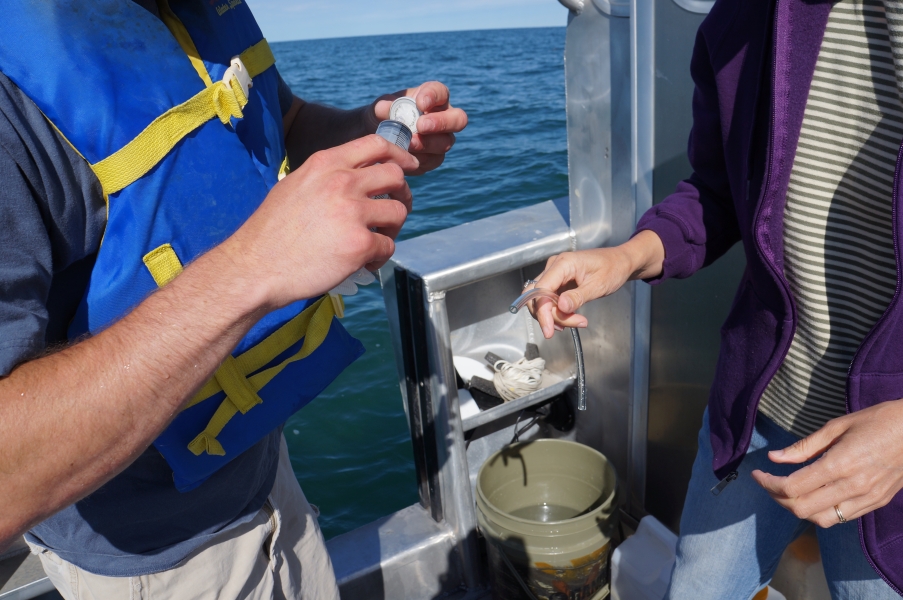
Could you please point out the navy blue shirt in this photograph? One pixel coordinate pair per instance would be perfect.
(52, 217)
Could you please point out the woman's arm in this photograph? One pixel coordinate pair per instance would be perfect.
(591, 274)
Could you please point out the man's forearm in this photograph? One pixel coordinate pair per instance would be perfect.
(310, 128)
(72, 420)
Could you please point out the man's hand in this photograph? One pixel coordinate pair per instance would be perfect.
(589, 274)
(321, 224)
(310, 128)
(72, 420)
(437, 127)
(859, 467)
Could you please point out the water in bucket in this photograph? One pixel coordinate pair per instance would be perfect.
(547, 509)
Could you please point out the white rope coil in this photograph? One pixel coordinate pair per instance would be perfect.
(516, 380)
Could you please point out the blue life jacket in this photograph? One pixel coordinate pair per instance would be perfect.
(185, 154)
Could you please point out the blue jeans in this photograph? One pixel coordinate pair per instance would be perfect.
(730, 544)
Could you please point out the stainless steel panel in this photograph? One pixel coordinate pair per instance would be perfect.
(36, 588)
(460, 507)
(480, 322)
(588, 86)
(615, 8)
(624, 148)
(573, 5)
(642, 68)
(390, 297)
(405, 556)
(686, 315)
(21, 574)
(473, 251)
(603, 212)
(515, 406)
(427, 278)
(605, 425)
(701, 7)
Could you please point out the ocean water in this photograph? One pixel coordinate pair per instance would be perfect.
(350, 448)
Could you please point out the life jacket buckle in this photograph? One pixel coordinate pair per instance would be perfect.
(238, 70)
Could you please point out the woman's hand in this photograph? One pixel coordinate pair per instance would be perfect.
(582, 276)
(859, 469)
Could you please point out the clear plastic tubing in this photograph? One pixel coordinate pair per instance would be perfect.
(534, 293)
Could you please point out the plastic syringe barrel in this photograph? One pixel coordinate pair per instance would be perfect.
(396, 133)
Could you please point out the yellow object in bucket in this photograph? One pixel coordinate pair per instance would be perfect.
(548, 509)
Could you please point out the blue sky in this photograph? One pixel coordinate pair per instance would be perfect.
(308, 19)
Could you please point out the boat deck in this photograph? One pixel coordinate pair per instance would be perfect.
(22, 577)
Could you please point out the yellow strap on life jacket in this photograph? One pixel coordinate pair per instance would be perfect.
(312, 325)
(174, 24)
(135, 159)
(237, 387)
(284, 169)
(258, 58)
(319, 316)
(163, 264)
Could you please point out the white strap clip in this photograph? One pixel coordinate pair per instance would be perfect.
(238, 70)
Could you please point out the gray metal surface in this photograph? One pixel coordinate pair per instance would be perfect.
(651, 360)
(686, 314)
(614, 8)
(450, 295)
(573, 5)
(515, 406)
(479, 322)
(473, 251)
(701, 7)
(597, 140)
(453, 288)
(642, 127)
(460, 508)
(32, 589)
(405, 556)
(648, 368)
(21, 574)
(603, 212)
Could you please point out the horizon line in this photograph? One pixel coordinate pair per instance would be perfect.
(351, 37)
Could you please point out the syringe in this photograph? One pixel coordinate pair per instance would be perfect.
(398, 129)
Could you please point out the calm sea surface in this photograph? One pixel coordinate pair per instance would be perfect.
(350, 448)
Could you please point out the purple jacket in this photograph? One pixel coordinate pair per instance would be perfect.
(752, 65)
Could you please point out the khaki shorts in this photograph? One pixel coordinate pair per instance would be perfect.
(279, 554)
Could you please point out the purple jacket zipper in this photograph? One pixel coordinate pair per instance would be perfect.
(766, 184)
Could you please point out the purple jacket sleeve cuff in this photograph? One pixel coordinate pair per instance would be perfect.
(680, 260)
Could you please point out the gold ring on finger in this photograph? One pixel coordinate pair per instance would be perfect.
(839, 514)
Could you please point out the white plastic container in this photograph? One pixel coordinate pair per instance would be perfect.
(641, 565)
